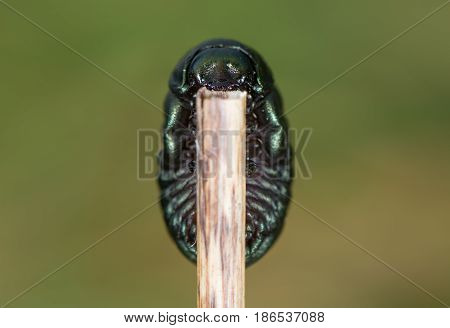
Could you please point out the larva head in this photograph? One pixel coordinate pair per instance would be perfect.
(220, 65)
(222, 69)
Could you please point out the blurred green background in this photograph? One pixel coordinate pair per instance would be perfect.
(379, 153)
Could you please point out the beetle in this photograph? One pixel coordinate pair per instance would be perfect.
(226, 65)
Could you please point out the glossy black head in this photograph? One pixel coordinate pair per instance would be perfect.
(222, 69)
(221, 65)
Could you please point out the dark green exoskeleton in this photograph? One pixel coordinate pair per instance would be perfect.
(225, 65)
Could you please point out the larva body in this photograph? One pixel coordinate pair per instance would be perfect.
(225, 65)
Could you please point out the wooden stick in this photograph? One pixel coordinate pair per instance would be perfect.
(220, 198)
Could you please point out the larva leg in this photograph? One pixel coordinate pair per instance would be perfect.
(272, 125)
(177, 117)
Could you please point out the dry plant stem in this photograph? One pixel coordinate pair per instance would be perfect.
(221, 198)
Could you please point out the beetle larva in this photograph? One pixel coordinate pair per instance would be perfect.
(225, 65)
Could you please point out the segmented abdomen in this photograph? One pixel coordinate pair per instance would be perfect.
(267, 190)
